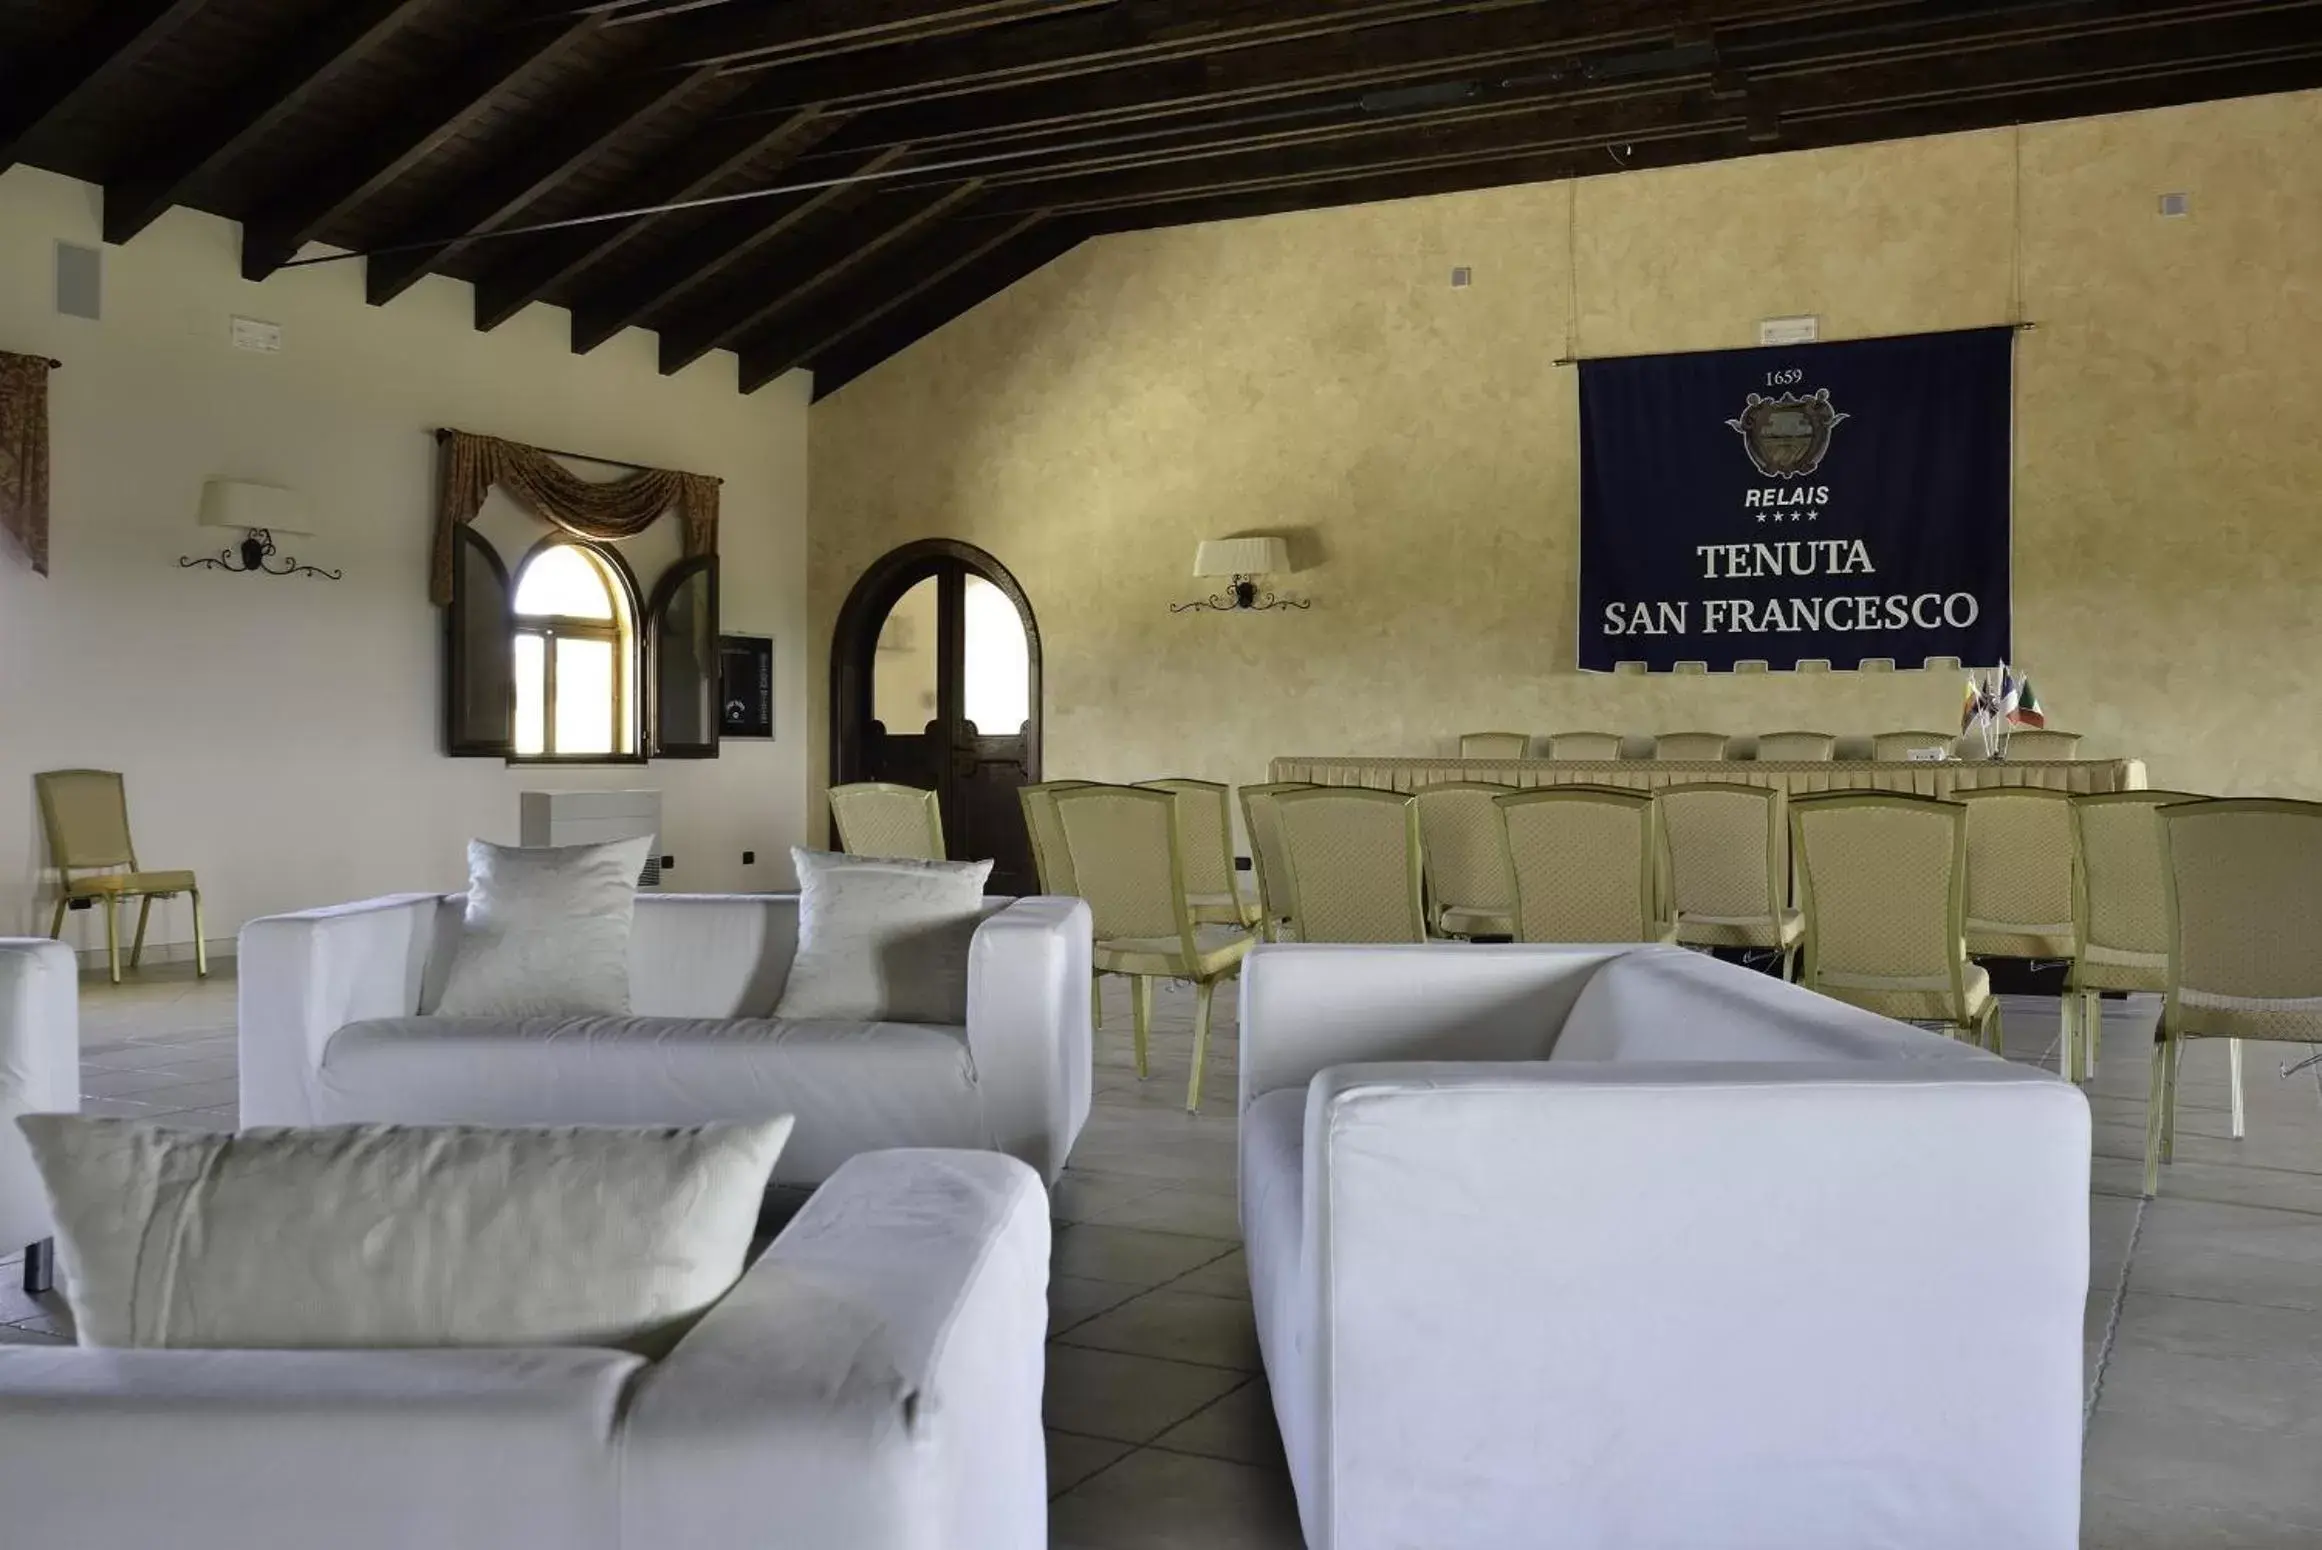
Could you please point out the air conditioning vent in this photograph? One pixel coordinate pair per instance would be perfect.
(592, 818)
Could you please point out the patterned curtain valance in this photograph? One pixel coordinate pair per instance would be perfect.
(24, 454)
(587, 508)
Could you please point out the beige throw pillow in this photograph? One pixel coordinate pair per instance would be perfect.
(882, 940)
(546, 932)
(385, 1236)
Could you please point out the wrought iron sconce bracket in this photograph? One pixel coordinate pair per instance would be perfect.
(256, 552)
(1242, 596)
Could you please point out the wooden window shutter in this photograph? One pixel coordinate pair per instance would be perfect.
(479, 654)
(681, 655)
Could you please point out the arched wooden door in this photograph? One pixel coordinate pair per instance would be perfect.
(935, 682)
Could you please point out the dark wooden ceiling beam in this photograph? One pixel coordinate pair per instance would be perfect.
(1130, 32)
(883, 288)
(726, 240)
(273, 237)
(242, 113)
(691, 171)
(580, 135)
(118, 34)
(966, 288)
(814, 29)
(1479, 45)
(889, 223)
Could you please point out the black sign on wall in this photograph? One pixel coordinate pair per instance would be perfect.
(1797, 502)
(746, 686)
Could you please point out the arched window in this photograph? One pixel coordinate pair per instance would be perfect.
(575, 655)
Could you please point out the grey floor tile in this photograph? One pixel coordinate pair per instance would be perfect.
(1126, 1398)
(1073, 1458)
(2288, 1337)
(1240, 1426)
(2117, 1523)
(119, 1108)
(11, 1334)
(1076, 1299)
(1180, 1208)
(2230, 1253)
(195, 1095)
(107, 1082)
(1181, 1326)
(2190, 1460)
(1226, 1277)
(1129, 1255)
(1156, 1500)
(1085, 1195)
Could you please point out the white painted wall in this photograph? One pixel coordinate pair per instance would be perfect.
(281, 736)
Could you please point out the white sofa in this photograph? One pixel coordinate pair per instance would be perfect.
(332, 1030)
(40, 1073)
(872, 1383)
(1597, 1247)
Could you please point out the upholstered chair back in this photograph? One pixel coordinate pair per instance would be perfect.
(1353, 860)
(1049, 852)
(1901, 745)
(1882, 878)
(2245, 918)
(1586, 862)
(1263, 823)
(1465, 859)
(878, 818)
(1796, 747)
(1205, 824)
(1127, 856)
(87, 818)
(1701, 746)
(2120, 894)
(1585, 745)
(2019, 872)
(1494, 745)
(1729, 850)
(2034, 743)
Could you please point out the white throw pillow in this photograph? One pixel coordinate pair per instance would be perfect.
(392, 1236)
(546, 932)
(882, 940)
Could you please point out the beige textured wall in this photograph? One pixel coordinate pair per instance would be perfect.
(1315, 374)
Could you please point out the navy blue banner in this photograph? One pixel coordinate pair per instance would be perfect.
(1834, 501)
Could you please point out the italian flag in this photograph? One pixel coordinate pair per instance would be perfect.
(2026, 712)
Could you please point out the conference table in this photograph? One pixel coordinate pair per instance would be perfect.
(1797, 777)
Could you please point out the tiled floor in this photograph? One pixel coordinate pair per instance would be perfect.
(2204, 1319)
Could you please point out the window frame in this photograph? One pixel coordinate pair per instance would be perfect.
(628, 653)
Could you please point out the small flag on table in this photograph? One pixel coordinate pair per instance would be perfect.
(2025, 711)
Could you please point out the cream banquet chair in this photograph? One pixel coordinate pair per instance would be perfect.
(1797, 747)
(2032, 744)
(1352, 856)
(2019, 890)
(86, 815)
(1263, 823)
(2120, 905)
(1587, 863)
(1494, 745)
(1729, 868)
(1901, 745)
(1704, 747)
(1469, 891)
(1205, 818)
(879, 818)
(1128, 854)
(1585, 745)
(2245, 939)
(1882, 878)
(1053, 859)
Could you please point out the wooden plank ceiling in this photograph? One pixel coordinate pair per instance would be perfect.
(896, 161)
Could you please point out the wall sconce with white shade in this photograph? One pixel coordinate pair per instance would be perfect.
(261, 511)
(1245, 560)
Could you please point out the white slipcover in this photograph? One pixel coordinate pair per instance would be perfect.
(332, 1005)
(872, 1383)
(40, 1070)
(1598, 1247)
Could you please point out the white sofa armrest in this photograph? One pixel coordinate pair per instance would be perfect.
(873, 1383)
(40, 1070)
(1307, 1007)
(1677, 1304)
(356, 1450)
(305, 976)
(1028, 1027)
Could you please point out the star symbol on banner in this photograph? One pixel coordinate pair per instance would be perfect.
(1761, 516)
(1814, 516)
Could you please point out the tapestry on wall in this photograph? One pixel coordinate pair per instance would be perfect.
(24, 455)
(1834, 502)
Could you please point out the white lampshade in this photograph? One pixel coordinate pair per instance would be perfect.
(1267, 556)
(239, 503)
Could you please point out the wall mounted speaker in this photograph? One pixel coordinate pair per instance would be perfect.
(80, 281)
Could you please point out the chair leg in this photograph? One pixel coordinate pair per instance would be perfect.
(56, 926)
(1096, 1002)
(201, 938)
(2091, 1030)
(113, 936)
(137, 943)
(1141, 1010)
(39, 1267)
(2169, 1100)
(2068, 1056)
(2233, 1059)
(2153, 1103)
(1201, 999)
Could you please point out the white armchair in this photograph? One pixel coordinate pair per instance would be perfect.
(333, 1029)
(40, 1073)
(1604, 1247)
(872, 1383)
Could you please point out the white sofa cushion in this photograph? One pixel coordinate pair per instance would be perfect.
(373, 1235)
(546, 930)
(852, 1086)
(883, 940)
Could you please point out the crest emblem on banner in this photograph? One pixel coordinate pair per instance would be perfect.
(1787, 436)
